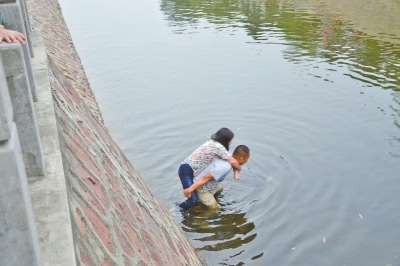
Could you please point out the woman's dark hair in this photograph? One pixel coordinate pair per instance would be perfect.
(223, 136)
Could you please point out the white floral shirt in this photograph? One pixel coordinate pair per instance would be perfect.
(205, 154)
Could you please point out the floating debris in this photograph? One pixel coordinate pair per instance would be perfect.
(283, 159)
(361, 216)
(323, 240)
(294, 248)
(270, 179)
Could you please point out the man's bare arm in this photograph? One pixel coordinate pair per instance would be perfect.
(235, 164)
(236, 175)
(201, 181)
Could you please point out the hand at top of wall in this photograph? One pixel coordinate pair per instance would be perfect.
(11, 35)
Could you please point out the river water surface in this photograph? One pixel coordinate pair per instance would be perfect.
(313, 92)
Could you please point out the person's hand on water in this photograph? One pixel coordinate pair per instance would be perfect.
(236, 175)
(11, 35)
(187, 193)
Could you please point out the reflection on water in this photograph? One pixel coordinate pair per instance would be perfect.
(215, 231)
(316, 38)
(321, 44)
(218, 230)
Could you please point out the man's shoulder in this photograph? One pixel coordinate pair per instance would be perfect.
(222, 163)
(221, 167)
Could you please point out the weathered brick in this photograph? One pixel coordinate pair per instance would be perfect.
(135, 210)
(78, 145)
(179, 262)
(163, 211)
(127, 187)
(94, 202)
(139, 183)
(156, 258)
(74, 96)
(152, 224)
(94, 184)
(114, 184)
(86, 144)
(101, 229)
(127, 163)
(163, 249)
(127, 262)
(85, 131)
(60, 92)
(134, 178)
(80, 224)
(182, 250)
(146, 238)
(122, 241)
(106, 263)
(108, 165)
(169, 240)
(121, 206)
(106, 137)
(60, 114)
(133, 237)
(85, 259)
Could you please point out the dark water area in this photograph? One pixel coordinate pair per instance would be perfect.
(315, 95)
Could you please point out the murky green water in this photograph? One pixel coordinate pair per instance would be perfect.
(313, 92)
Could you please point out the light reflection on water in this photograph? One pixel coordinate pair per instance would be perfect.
(321, 38)
(217, 231)
(315, 98)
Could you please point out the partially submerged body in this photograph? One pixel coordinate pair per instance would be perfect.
(203, 156)
(207, 183)
(213, 175)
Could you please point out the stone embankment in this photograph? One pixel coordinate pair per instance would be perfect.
(115, 218)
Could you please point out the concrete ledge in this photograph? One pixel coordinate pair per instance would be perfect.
(15, 69)
(16, 18)
(18, 236)
(49, 193)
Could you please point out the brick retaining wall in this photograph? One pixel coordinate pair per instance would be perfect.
(116, 220)
(47, 16)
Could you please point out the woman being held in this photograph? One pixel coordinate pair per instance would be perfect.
(217, 147)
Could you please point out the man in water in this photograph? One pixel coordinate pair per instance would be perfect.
(207, 182)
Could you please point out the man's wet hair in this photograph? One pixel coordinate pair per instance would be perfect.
(242, 151)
